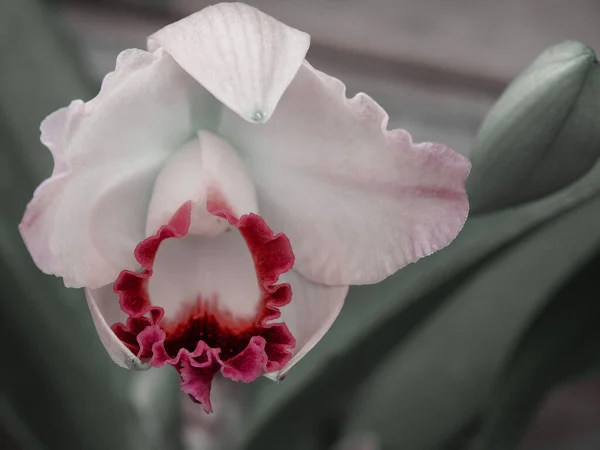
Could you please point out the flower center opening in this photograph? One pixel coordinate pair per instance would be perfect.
(205, 305)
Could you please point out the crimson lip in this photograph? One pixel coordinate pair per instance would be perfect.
(203, 339)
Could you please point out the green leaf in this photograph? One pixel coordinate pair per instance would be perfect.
(543, 132)
(438, 378)
(561, 345)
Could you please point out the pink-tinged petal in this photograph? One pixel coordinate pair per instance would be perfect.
(309, 316)
(358, 202)
(248, 365)
(197, 308)
(105, 310)
(207, 173)
(85, 220)
(197, 377)
(205, 168)
(196, 266)
(244, 57)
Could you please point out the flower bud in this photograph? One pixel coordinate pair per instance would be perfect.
(542, 134)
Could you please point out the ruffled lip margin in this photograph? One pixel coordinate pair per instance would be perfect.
(205, 341)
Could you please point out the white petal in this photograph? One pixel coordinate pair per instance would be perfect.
(206, 165)
(104, 306)
(242, 56)
(208, 263)
(85, 220)
(310, 314)
(356, 201)
(218, 270)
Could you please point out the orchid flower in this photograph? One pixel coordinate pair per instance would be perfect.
(219, 195)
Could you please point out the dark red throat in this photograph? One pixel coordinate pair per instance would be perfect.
(203, 339)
